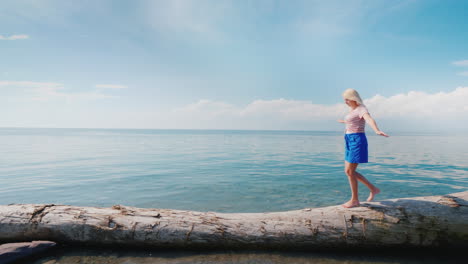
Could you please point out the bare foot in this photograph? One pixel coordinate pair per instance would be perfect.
(351, 204)
(372, 194)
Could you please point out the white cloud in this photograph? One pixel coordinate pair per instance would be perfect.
(110, 86)
(292, 109)
(14, 37)
(44, 91)
(420, 104)
(259, 114)
(34, 90)
(414, 109)
(29, 84)
(414, 104)
(206, 106)
(460, 63)
(280, 108)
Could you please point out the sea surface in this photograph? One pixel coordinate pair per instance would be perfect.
(219, 170)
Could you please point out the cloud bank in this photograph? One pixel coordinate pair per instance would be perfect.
(413, 110)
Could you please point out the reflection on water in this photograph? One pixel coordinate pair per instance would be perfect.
(89, 256)
(225, 171)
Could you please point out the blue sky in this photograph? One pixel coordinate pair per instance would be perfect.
(232, 64)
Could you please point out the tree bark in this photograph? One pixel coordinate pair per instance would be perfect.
(433, 221)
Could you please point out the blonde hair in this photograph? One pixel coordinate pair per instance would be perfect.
(352, 95)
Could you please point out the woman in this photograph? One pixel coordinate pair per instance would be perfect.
(356, 145)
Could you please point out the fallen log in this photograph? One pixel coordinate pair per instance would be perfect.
(433, 221)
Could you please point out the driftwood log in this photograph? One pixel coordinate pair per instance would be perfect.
(433, 221)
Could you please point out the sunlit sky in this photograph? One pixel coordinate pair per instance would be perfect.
(264, 64)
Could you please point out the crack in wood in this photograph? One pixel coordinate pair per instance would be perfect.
(345, 234)
(39, 213)
(221, 229)
(187, 237)
(364, 227)
(313, 229)
(134, 230)
(156, 225)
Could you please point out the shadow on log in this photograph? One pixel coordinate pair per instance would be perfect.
(422, 222)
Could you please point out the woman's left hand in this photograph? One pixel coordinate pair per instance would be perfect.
(381, 133)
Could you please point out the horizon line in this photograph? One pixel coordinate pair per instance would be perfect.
(223, 129)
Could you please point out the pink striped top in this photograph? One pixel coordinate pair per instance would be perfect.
(354, 121)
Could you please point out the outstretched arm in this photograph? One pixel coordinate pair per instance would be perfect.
(341, 121)
(373, 124)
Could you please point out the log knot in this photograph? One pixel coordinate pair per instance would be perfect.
(112, 224)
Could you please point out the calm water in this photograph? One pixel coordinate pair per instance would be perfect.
(225, 171)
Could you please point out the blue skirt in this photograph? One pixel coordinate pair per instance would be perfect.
(356, 148)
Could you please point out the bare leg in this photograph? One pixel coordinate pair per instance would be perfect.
(350, 169)
(373, 190)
